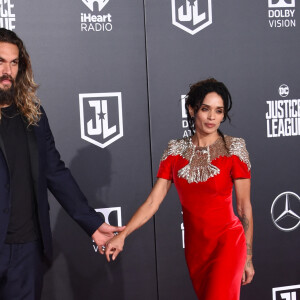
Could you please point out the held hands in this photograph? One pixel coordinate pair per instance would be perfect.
(103, 234)
(248, 271)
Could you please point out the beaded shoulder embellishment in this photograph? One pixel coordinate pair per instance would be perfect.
(200, 168)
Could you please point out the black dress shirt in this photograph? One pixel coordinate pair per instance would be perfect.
(22, 226)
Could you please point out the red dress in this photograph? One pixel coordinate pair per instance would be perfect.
(215, 244)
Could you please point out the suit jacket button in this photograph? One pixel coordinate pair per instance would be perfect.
(5, 210)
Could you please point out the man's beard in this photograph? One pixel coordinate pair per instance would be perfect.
(7, 96)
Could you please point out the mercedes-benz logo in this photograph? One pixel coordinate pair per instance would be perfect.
(285, 211)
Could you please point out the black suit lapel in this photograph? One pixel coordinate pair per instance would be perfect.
(2, 147)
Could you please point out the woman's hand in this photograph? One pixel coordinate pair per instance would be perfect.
(104, 233)
(248, 271)
(141, 216)
(114, 247)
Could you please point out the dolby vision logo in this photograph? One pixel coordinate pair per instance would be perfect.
(281, 3)
(283, 90)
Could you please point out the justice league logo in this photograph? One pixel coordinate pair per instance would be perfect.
(291, 292)
(283, 115)
(101, 118)
(7, 17)
(191, 15)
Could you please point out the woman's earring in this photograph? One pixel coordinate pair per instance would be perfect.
(193, 122)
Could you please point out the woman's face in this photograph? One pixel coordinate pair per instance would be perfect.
(210, 114)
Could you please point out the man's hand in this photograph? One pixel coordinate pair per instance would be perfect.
(103, 234)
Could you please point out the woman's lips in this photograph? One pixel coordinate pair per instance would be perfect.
(209, 125)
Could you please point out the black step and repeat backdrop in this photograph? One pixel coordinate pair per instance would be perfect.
(112, 75)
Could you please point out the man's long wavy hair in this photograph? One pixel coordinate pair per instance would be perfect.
(25, 98)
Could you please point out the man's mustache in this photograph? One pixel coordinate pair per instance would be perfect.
(6, 77)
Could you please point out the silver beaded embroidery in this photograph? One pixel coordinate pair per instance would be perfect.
(200, 168)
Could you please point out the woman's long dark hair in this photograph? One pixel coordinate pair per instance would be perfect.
(196, 95)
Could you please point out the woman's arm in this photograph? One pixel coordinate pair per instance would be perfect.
(244, 210)
(141, 216)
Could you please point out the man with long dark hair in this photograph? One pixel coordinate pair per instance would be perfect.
(29, 165)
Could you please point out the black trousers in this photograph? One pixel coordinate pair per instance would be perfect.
(22, 268)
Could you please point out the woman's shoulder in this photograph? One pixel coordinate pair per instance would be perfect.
(178, 142)
(237, 147)
(176, 147)
(231, 140)
(234, 144)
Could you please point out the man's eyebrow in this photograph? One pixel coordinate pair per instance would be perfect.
(15, 59)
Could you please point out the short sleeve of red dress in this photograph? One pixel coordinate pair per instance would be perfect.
(165, 169)
(240, 162)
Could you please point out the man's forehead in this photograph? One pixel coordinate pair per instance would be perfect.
(9, 49)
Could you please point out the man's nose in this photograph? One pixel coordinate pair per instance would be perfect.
(6, 69)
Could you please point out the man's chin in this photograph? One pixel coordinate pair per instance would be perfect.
(6, 95)
(5, 87)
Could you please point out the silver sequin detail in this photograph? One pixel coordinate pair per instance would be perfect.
(200, 168)
(238, 148)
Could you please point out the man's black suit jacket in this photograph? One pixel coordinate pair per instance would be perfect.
(48, 171)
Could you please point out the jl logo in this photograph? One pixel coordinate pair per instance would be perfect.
(291, 292)
(101, 119)
(191, 15)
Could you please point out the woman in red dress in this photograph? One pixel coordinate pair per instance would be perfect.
(204, 168)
